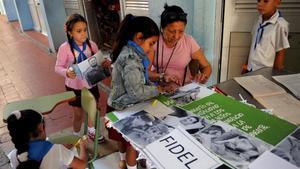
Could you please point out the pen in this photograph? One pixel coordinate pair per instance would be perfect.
(218, 90)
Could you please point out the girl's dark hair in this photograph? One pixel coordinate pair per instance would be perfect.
(172, 14)
(71, 21)
(22, 129)
(130, 26)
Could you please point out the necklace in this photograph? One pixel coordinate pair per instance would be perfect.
(162, 58)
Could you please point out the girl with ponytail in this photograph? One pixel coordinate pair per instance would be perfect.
(130, 82)
(77, 49)
(27, 131)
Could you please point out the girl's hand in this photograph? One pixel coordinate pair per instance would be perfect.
(171, 78)
(71, 73)
(106, 63)
(83, 143)
(201, 78)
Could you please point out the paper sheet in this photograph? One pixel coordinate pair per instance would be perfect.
(158, 109)
(283, 105)
(292, 82)
(258, 85)
(269, 160)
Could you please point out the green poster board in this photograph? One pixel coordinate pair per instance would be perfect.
(255, 122)
(165, 100)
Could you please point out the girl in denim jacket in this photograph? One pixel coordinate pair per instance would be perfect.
(130, 81)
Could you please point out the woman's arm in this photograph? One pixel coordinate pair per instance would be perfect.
(205, 67)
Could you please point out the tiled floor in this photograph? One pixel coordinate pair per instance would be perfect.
(27, 71)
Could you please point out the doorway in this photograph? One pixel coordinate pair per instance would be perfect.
(239, 18)
(38, 21)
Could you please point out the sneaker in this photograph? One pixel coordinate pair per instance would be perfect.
(91, 135)
(142, 163)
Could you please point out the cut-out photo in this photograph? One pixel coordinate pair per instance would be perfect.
(142, 128)
(232, 145)
(289, 148)
(188, 121)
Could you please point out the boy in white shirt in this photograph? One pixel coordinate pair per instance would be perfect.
(269, 38)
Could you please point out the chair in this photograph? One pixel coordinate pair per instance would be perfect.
(46, 105)
(89, 105)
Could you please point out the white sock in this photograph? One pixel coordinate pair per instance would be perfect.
(131, 167)
(122, 155)
(92, 129)
(76, 133)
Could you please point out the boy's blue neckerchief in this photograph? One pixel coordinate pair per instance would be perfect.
(81, 56)
(260, 32)
(261, 29)
(38, 149)
(140, 51)
(280, 14)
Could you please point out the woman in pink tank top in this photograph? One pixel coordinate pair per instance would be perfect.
(174, 51)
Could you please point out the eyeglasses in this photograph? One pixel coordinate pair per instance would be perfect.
(175, 16)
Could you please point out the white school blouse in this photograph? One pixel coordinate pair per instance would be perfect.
(58, 157)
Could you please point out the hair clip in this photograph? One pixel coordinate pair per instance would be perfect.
(17, 113)
(23, 156)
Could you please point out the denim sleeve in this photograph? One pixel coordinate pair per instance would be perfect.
(134, 81)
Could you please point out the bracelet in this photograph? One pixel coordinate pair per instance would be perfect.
(161, 77)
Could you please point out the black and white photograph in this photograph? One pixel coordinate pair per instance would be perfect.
(91, 69)
(189, 93)
(231, 144)
(184, 97)
(289, 148)
(188, 121)
(142, 128)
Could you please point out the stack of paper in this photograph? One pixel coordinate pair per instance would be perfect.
(272, 96)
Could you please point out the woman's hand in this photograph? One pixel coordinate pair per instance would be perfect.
(201, 78)
(171, 78)
(71, 73)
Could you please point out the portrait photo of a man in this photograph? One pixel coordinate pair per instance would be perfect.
(236, 147)
(142, 128)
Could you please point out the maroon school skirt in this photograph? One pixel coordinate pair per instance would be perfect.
(114, 134)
